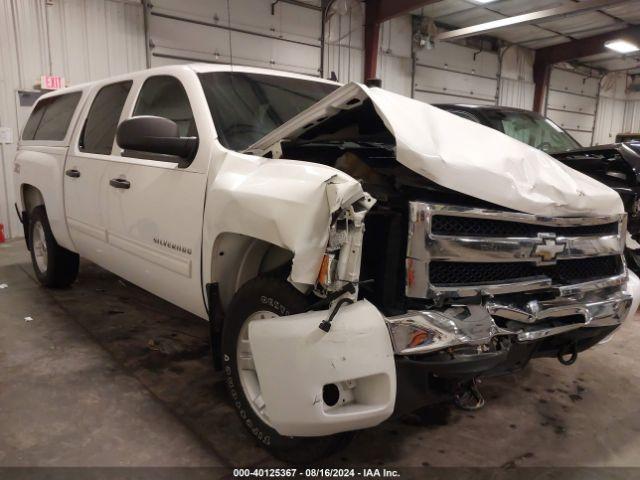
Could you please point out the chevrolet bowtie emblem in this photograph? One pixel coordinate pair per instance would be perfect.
(548, 250)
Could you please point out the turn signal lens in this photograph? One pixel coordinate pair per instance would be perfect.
(411, 334)
(418, 338)
(325, 276)
(411, 276)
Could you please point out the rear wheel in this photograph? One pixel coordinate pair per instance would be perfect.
(263, 298)
(54, 265)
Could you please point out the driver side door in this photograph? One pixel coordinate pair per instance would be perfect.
(154, 203)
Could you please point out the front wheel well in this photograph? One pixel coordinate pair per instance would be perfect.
(238, 258)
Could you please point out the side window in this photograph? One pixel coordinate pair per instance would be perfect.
(102, 121)
(51, 117)
(164, 96)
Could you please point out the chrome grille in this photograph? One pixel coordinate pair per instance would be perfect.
(565, 272)
(483, 227)
(460, 251)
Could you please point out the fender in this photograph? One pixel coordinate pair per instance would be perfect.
(43, 169)
(285, 203)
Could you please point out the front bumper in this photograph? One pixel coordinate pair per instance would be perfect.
(421, 332)
(380, 365)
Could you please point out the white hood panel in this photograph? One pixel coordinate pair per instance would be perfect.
(468, 157)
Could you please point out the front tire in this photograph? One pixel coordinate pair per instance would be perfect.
(54, 266)
(266, 297)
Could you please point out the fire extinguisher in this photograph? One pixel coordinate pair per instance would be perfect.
(1, 233)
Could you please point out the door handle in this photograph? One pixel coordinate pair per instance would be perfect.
(119, 183)
(73, 173)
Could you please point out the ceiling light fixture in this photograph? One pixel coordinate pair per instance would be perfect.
(621, 46)
(484, 1)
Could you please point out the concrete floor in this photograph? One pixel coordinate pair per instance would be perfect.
(106, 374)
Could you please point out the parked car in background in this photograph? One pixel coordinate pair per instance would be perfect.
(627, 137)
(616, 165)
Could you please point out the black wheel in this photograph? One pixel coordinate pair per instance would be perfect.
(54, 266)
(266, 297)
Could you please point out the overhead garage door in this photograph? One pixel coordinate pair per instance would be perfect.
(451, 73)
(571, 103)
(262, 33)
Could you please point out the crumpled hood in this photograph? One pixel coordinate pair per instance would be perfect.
(465, 156)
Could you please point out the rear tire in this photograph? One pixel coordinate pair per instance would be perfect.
(267, 297)
(54, 266)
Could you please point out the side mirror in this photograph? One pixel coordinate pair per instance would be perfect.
(151, 134)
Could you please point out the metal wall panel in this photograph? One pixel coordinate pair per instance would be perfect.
(81, 40)
(10, 80)
(94, 39)
(436, 81)
(573, 82)
(516, 93)
(395, 73)
(344, 45)
(461, 59)
(610, 120)
(631, 121)
(572, 121)
(344, 50)
(394, 59)
(243, 31)
(572, 101)
(435, 98)
(451, 73)
(611, 108)
(516, 77)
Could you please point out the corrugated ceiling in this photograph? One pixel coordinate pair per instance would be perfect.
(464, 13)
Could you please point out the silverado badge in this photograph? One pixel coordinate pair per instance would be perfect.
(173, 246)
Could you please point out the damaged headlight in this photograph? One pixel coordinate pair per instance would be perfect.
(413, 334)
(428, 331)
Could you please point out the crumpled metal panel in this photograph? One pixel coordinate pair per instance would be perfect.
(283, 202)
(468, 157)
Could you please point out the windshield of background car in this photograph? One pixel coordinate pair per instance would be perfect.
(247, 106)
(534, 130)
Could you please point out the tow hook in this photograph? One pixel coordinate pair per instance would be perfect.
(568, 349)
(470, 398)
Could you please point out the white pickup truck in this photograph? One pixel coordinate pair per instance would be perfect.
(357, 253)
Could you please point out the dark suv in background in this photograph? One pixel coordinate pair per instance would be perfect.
(616, 165)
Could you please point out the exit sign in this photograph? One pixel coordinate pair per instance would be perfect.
(51, 82)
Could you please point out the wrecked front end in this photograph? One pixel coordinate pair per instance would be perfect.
(498, 288)
(485, 291)
(447, 270)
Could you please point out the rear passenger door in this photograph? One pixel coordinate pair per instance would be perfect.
(90, 153)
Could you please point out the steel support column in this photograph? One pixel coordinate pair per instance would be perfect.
(583, 47)
(377, 12)
(371, 39)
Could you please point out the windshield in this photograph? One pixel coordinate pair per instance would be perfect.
(532, 129)
(247, 106)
